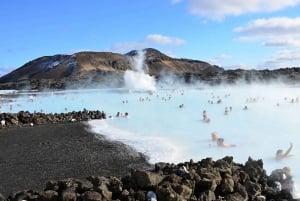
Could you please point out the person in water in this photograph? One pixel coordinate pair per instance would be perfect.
(226, 111)
(280, 154)
(214, 136)
(119, 114)
(204, 115)
(220, 143)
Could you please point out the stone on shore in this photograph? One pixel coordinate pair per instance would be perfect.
(206, 180)
(25, 118)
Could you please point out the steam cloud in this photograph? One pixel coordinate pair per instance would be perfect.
(138, 79)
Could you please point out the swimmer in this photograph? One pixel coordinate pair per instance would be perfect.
(214, 136)
(226, 111)
(118, 114)
(204, 115)
(246, 107)
(220, 143)
(126, 115)
(281, 155)
(207, 120)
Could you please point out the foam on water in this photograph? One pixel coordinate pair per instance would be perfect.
(148, 145)
(159, 128)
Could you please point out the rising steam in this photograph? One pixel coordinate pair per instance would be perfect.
(138, 79)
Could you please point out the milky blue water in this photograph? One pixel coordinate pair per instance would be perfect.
(162, 130)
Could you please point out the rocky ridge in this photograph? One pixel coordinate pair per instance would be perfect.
(87, 69)
(25, 118)
(206, 180)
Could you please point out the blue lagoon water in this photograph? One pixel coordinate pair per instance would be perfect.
(162, 130)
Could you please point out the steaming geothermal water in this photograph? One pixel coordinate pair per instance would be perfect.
(138, 79)
(162, 130)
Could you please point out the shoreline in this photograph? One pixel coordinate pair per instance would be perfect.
(30, 156)
(55, 161)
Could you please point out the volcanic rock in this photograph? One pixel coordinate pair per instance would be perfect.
(214, 182)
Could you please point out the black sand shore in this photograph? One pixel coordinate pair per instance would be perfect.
(30, 156)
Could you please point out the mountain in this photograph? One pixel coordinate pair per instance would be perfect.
(59, 70)
(85, 69)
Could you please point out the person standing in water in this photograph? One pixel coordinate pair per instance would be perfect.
(281, 155)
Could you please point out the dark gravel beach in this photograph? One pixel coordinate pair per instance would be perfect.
(30, 156)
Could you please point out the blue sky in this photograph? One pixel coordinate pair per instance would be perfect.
(232, 33)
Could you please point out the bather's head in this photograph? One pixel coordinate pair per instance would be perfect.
(279, 154)
(214, 136)
(220, 141)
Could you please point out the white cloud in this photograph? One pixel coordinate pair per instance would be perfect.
(287, 55)
(164, 40)
(276, 32)
(219, 60)
(267, 26)
(217, 10)
(150, 41)
(282, 43)
(282, 59)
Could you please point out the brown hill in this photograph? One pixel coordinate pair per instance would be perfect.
(85, 69)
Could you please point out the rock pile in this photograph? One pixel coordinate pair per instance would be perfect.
(25, 118)
(192, 181)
